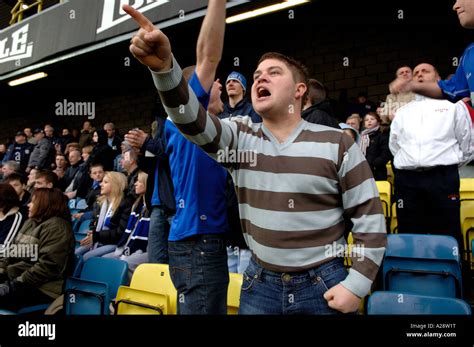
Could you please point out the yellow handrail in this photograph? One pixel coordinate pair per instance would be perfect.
(18, 9)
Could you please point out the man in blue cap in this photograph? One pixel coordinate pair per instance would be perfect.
(236, 87)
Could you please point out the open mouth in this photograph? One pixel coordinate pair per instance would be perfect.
(263, 92)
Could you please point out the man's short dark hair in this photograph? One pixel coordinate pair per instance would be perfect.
(16, 177)
(49, 176)
(300, 72)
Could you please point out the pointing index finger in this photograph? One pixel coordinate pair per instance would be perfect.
(142, 21)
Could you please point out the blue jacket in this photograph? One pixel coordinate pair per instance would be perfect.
(19, 153)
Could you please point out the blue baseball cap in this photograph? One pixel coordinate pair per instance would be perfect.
(239, 78)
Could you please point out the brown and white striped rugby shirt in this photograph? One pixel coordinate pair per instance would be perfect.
(293, 195)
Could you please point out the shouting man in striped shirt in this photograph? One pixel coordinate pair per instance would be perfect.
(293, 198)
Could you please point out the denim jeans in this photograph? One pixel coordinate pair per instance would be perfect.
(238, 259)
(199, 272)
(268, 292)
(158, 236)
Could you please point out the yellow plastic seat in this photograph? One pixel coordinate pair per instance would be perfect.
(466, 189)
(233, 293)
(394, 220)
(385, 192)
(154, 281)
(467, 227)
(137, 301)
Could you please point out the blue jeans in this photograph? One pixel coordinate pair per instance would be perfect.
(157, 248)
(268, 292)
(198, 269)
(98, 252)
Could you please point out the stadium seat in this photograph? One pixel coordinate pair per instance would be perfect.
(385, 192)
(420, 264)
(78, 264)
(466, 189)
(390, 175)
(394, 220)
(84, 227)
(396, 303)
(97, 285)
(151, 291)
(467, 227)
(233, 293)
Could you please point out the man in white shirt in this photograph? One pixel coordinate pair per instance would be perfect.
(429, 139)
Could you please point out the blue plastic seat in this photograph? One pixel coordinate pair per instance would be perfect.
(395, 303)
(97, 285)
(422, 264)
(83, 227)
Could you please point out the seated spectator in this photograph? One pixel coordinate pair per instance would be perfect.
(38, 276)
(18, 182)
(20, 151)
(43, 154)
(113, 139)
(317, 108)
(61, 164)
(111, 216)
(102, 152)
(46, 179)
(29, 136)
(11, 218)
(70, 146)
(97, 175)
(10, 167)
(124, 147)
(354, 121)
(374, 145)
(66, 138)
(30, 183)
(361, 106)
(86, 152)
(130, 163)
(86, 134)
(133, 244)
(71, 174)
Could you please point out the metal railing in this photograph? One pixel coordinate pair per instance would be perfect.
(21, 7)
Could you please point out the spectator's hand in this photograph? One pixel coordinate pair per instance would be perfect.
(77, 215)
(341, 299)
(150, 46)
(136, 138)
(399, 86)
(87, 241)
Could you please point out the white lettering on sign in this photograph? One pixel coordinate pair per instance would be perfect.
(17, 46)
(113, 14)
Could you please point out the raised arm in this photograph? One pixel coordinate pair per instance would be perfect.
(210, 43)
(152, 48)
(429, 89)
